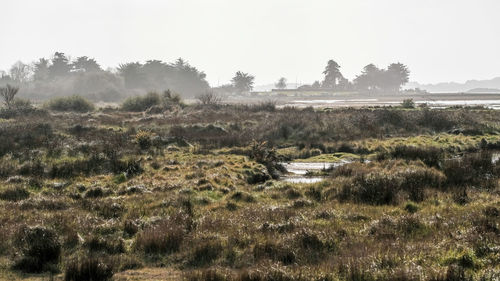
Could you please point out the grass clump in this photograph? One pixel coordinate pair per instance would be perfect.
(141, 103)
(88, 269)
(14, 194)
(70, 104)
(164, 238)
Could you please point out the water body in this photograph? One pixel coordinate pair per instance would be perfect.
(298, 170)
(489, 103)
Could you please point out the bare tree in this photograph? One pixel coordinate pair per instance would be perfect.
(8, 93)
(20, 72)
(209, 98)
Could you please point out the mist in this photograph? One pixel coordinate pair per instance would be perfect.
(442, 41)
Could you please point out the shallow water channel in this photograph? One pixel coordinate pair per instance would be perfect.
(297, 171)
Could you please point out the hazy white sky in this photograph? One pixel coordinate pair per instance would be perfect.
(440, 40)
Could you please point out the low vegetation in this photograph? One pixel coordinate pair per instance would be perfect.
(159, 189)
(70, 104)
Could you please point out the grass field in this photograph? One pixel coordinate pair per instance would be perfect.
(196, 193)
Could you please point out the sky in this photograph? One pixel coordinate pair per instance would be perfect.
(440, 40)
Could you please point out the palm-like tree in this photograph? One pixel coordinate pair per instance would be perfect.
(243, 82)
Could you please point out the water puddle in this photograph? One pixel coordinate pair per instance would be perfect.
(292, 179)
(298, 170)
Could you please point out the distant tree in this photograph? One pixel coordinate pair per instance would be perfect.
(224, 90)
(85, 64)
(370, 79)
(316, 85)
(373, 79)
(60, 66)
(188, 79)
(332, 75)
(132, 74)
(396, 76)
(281, 84)
(20, 72)
(179, 76)
(344, 84)
(243, 82)
(41, 70)
(8, 93)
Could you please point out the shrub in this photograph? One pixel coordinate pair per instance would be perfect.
(408, 103)
(14, 194)
(274, 251)
(100, 244)
(73, 103)
(164, 238)
(22, 104)
(473, 168)
(429, 155)
(141, 103)
(143, 139)
(411, 207)
(87, 269)
(94, 192)
(8, 94)
(39, 247)
(205, 252)
(377, 188)
(386, 182)
(209, 98)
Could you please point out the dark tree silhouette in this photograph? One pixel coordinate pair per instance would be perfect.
(281, 84)
(370, 79)
(396, 76)
(243, 82)
(85, 64)
(41, 70)
(132, 74)
(60, 66)
(373, 79)
(179, 76)
(332, 75)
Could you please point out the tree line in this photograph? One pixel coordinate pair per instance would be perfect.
(60, 75)
(372, 79)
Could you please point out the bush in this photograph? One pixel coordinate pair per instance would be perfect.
(22, 104)
(274, 251)
(39, 247)
(383, 185)
(141, 103)
(164, 238)
(73, 103)
(205, 252)
(408, 103)
(376, 188)
(474, 168)
(14, 194)
(87, 269)
(209, 98)
(431, 156)
(143, 139)
(107, 245)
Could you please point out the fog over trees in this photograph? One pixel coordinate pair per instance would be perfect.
(61, 75)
